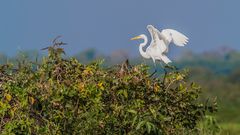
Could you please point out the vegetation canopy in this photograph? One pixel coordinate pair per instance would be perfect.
(63, 96)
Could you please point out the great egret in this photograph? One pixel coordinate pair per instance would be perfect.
(160, 43)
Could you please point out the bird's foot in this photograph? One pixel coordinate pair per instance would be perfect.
(170, 67)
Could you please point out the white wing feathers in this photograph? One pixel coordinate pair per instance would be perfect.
(156, 42)
(153, 34)
(160, 42)
(174, 36)
(150, 30)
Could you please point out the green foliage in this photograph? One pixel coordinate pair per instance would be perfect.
(219, 77)
(63, 96)
(209, 126)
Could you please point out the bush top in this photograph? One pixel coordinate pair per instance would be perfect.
(63, 96)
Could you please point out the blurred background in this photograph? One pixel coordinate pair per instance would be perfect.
(97, 29)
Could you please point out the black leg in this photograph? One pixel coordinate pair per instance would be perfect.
(176, 68)
(155, 69)
(153, 72)
(165, 74)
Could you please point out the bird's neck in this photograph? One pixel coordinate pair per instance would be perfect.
(144, 54)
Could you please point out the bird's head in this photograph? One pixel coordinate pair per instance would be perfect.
(142, 36)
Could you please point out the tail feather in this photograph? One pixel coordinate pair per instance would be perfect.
(165, 59)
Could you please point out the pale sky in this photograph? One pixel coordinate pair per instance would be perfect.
(107, 25)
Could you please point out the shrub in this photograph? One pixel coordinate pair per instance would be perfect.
(63, 96)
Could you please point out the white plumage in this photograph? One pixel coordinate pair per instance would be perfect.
(169, 36)
(160, 42)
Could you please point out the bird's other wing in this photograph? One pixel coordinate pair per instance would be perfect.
(159, 43)
(153, 34)
(159, 39)
(162, 37)
(165, 40)
(150, 30)
(174, 36)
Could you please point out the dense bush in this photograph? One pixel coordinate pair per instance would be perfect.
(63, 96)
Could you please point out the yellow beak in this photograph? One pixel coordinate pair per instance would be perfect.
(135, 38)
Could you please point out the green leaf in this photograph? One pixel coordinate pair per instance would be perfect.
(132, 111)
(149, 127)
(134, 120)
(140, 124)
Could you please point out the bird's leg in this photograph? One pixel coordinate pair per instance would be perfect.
(155, 69)
(175, 68)
(165, 73)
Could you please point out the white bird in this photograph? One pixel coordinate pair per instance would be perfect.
(160, 42)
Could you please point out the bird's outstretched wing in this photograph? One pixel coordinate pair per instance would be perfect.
(170, 35)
